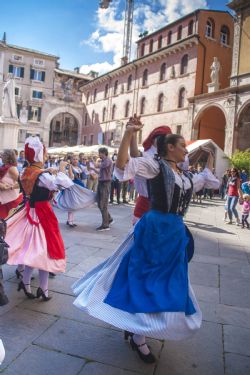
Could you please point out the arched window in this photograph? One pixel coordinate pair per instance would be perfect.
(163, 72)
(142, 49)
(169, 37)
(142, 106)
(160, 42)
(145, 78)
(224, 35)
(179, 32)
(160, 103)
(127, 109)
(151, 45)
(106, 91)
(113, 112)
(87, 98)
(116, 87)
(184, 64)
(191, 27)
(93, 117)
(181, 99)
(86, 119)
(210, 28)
(129, 83)
(104, 114)
(95, 93)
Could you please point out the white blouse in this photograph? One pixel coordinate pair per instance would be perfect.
(148, 168)
(53, 183)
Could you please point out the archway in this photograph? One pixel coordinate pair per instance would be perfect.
(210, 124)
(63, 130)
(243, 129)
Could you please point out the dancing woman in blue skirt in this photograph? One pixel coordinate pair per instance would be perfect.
(143, 288)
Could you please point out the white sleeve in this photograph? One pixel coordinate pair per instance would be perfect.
(206, 180)
(141, 166)
(51, 182)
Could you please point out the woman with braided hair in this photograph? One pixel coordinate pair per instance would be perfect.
(144, 288)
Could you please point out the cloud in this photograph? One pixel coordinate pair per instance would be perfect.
(149, 15)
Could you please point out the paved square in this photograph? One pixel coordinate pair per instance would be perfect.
(55, 337)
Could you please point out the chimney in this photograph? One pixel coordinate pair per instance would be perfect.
(77, 69)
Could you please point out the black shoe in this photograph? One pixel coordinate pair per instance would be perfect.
(125, 202)
(40, 293)
(19, 274)
(21, 285)
(71, 225)
(147, 358)
(127, 334)
(102, 228)
(52, 275)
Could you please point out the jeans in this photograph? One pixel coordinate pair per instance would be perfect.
(103, 192)
(231, 204)
(115, 185)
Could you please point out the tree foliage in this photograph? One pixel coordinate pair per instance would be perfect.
(241, 160)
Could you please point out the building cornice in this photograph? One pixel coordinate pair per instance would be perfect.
(179, 46)
(239, 5)
(220, 93)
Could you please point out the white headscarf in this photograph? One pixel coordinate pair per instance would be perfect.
(35, 144)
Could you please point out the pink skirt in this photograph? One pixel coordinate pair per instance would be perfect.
(28, 244)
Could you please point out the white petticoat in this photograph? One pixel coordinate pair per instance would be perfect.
(74, 198)
(92, 289)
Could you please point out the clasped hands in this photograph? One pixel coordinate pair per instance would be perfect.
(134, 124)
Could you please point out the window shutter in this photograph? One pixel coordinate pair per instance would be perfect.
(30, 113)
(10, 68)
(43, 76)
(22, 72)
(39, 114)
(32, 73)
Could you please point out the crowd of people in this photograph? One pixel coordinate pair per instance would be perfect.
(128, 290)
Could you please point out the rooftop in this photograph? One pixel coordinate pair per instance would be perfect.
(29, 50)
(73, 74)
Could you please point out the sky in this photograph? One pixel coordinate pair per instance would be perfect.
(82, 34)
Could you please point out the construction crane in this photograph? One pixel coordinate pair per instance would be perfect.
(128, 26)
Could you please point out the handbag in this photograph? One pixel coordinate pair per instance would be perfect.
(4, 255)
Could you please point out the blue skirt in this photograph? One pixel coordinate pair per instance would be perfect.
(153, 274)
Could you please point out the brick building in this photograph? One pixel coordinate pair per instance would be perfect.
(172, 65)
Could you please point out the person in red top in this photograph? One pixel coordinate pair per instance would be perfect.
(233, 194)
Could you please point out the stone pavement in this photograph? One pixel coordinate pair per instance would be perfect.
(55, 337)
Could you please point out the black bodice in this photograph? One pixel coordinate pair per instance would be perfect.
(158, 197)
(39, 194)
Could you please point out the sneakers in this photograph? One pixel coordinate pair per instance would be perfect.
(111, 221)
(102, 228)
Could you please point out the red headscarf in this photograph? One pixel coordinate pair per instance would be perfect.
(34, 150)
(161, 130)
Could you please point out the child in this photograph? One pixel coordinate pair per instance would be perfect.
(245, 210)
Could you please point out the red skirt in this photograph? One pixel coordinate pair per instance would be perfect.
(6, 207)
(142, 206)
(49, 223)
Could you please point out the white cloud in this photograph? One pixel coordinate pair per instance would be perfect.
(108, 36)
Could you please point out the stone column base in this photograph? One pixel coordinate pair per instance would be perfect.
(8, 134)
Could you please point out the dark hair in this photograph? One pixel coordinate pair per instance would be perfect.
(103, 150)
(164, 140)
(236, 171)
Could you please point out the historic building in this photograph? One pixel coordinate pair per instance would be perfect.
(225, 113)
(173, 64)
(48, 99)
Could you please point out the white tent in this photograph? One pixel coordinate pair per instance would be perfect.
(64, 150)
(221, 160)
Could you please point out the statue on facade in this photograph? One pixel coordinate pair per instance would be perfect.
(9, 102)
(215, 69)
(23, 118)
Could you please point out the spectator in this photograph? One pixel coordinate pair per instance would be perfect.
(234, 192)
(20, 161)
(243, 176)
(224, 182)
(103, 189)
(83, 164)
(93, 168)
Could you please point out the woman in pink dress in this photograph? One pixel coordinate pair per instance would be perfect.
(10, 196)
(40, 244)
